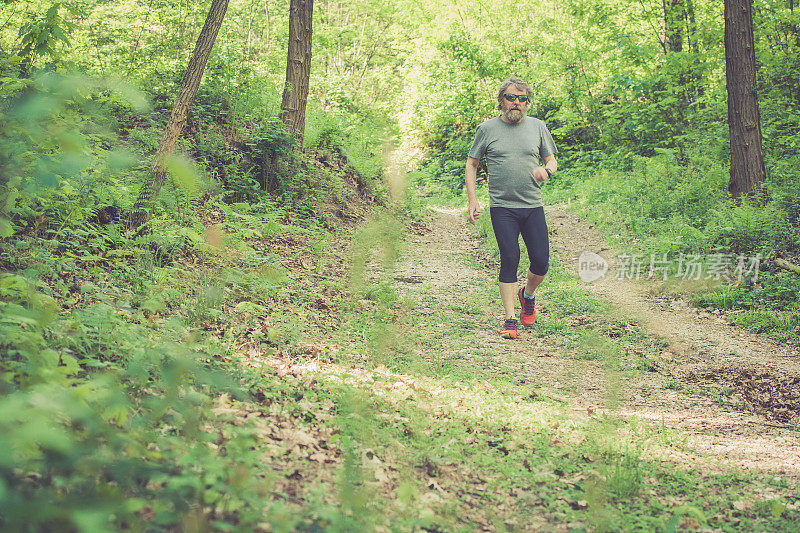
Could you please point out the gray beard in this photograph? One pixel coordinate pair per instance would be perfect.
(513, 115)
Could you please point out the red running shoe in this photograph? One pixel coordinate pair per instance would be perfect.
(509, 330)
(528, 314)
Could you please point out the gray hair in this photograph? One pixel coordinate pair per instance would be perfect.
(519, 83)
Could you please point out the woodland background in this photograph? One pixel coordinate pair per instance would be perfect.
(117, 343)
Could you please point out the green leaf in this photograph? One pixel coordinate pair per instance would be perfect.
(133, 505)
(71, 364)
(130, 94)
(183, 172)
(94, 363)
(777, 509)
(91, 520)
(6, 229)
(119, 160)
(53, 11)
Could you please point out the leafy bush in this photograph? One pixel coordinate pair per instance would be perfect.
(666, 203)
(748, 229)
(53, 153)
(783, 184)
(355, 140)
(780, 290)
(652, 111)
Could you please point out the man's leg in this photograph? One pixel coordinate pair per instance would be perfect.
(506, 231)
(534, 233)
(508, 294)
(534, 281)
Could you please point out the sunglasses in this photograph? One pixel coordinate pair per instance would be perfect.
(521, 97)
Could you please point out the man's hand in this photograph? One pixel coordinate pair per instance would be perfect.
(540, 174)
(474, 211)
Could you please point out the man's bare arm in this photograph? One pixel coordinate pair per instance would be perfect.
(471, 172)
(550, 163)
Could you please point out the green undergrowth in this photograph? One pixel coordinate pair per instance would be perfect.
(116, 345)
(769, 306)
(114, 350)
(470, 470)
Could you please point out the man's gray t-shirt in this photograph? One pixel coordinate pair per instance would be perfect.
(512, 152)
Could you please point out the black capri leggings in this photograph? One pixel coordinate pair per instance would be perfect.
(508, 224)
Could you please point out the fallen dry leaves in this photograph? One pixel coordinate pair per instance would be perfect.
(772, 393)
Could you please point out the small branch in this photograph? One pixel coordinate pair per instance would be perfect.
(786, 265)
(779, 426)
(412, 279)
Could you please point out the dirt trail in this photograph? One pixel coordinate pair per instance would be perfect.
(705, 340)
(439, 263)
(764, 373)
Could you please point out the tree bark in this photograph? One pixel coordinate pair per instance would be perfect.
(298, 67)
(180, 110)
(691, 31)
(674, 24)
(744, 118)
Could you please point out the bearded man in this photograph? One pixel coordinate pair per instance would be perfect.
(515, 146)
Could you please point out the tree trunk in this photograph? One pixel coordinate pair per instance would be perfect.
(691, 30)
(674, 24)
(744, 119)
(180, 110)
(298, 67)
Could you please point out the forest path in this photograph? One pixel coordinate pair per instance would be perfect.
(708, 350)
(444, 271)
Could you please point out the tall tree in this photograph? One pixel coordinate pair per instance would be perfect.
(691, 29)
(674, 24)
(180, 110)
(298, 67)
(744, 118)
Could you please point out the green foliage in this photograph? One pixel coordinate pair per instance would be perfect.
(113, 346)
(783, 183)
(56, 161)
(453, 100)
(107, 367)
(76, 429)
(646, 113)
(783, 326)
(356, 140)
(39, 36)
(748, 228)
(667, 202)
(625, 474)
(772, 291)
